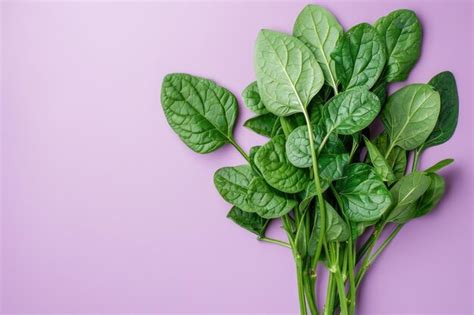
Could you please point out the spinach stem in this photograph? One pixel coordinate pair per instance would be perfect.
(416, 159)
(239, 148)
(387, 241)
(329, 306)
(310, 295)
(274, 241)
(300, 278)
(339, 281)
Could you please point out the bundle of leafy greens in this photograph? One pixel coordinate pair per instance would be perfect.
(322, 173)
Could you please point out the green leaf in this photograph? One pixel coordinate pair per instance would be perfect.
(432, 196)
(277, 170)
(319, 30)
(445, 84)
(381, 166)
(253, 151)
(331, 165)
(263, 124)
(363, 194)
(232, 184)
(267, 202)
(359, 57)
(441, 164)
(350, 111)
(381, 91)
(405, 193)
(252, 99)
(300, 238)
(199, 111)
(396, 160)
(288, 74)
(410, 115)
(401, 33)
(249, 221)
(358, 228)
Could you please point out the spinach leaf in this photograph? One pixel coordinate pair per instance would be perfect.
(252, 99)
(232, 184)
(249, 221)
(199, 111)
(272, 162)
(381, 166)
(300, 238)
(405, 193)
(381, 91)
(445, 84)
(441, 164)
(363, 194)
(331, 165)
(319, 30)
(401, 33)
(432, 196)
(397, 158)
(350, 111)
(410, 115)
(263, 125)
(267, 202)
(359, 56)
(288, 74)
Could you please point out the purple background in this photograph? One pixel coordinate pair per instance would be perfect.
(105, 210)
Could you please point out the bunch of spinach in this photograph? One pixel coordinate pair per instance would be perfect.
(322, 173)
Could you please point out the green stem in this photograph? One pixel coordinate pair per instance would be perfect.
(416, 159)
(352, 289)
(363, 249)
(239, 148)
(339, 281)
(310, 296)
(330, 293)
(274, 241)
(387, 241)
(299, 274)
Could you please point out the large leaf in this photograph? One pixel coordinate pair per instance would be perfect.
(288, 74)
(199, 111)
(252, 99)
(263, 124)
(350, 111)
(405, 193)
(363, 194)
(267, 202)
(232, 183)
(319, 30)
(445, 84)
(432, 196)
(381, 166)
(401, 33)
(249, 221)
(273, 163)
(359, 57)
(410, 115)
(396, 160)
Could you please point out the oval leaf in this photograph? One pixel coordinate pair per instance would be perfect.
(396, 160)
(252, 99)
(263, 125)
(232, 184)
(410, 115)
(359, 57)
(288, 74)
(381, 166)
(199, 111)
(249, 221)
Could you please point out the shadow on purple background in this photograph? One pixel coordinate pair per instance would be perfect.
(104, 210)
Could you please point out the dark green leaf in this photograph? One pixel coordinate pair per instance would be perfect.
(432, 196)
(441, 164)
(263, 124)
(300, 238)
(252, 99)
(199, 111)
(249, 221)
(359, 57)
(288, 74)
(232, 184)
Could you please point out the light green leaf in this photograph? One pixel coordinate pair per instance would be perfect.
(232, 184)
(249, 221)
(350, 111)
(267, 202)
(263, 124)
(363, 194)
(359, 56)
(277, 170)
(381, 166)
(252, 99)
(319, 30)
(199, 111)
(288, 74)
(396, 160)
(401, 33)
(440, 165)
(432, 196)
(410, 115)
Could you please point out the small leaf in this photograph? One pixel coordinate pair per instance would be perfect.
(252, 99)
(288, 74)
(277, 170)
(396, 160)
(440, 165)
(364, 195)
(300, 238)
(350, 111)
(199, 111)
(381, 166)
(432, 196)
(232, 184)
(445, 84)
(401, 33)
(267, 202)
(263, 124)
(249, 221)
(319, 30)
(359, 57)
(410, 115)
